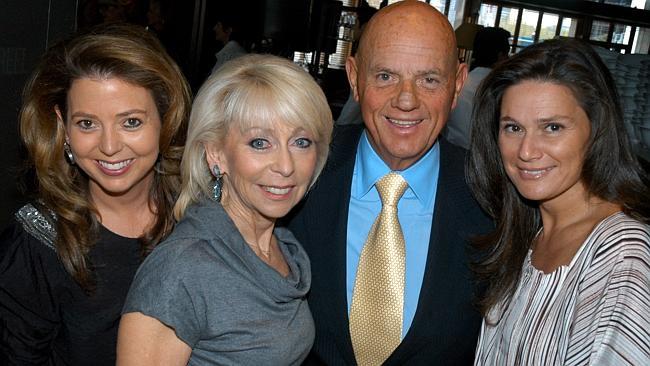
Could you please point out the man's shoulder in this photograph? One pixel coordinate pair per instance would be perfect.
(453, 186)
(345, 134)
(452, 155)
(343, 148)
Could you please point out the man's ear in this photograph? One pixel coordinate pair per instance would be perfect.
(352, 72)
(461, 76)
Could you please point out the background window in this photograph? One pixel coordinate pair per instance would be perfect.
(488, 15)
(549, 26)
(508, 20)
(568, 28)
(599, 30)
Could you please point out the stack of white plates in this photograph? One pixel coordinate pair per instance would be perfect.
(642, 117)
(631, 74)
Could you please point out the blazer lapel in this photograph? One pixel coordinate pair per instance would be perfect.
(445, 262)
(334, 188)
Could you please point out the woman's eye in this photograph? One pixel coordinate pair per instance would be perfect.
(86, 124)
(511, 128)
(303, 142)
(259, 144)
(553, 127)
(132, 123)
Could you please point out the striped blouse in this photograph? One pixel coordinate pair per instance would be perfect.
(594, 311)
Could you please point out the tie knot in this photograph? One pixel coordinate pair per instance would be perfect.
(391, 187)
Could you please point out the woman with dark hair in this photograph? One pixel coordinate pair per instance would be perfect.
(103, 120)
(568, 267)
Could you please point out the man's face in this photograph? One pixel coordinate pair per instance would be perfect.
(406, 82)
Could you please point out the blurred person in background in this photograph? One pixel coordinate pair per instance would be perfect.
(227, 30)
(491, 45)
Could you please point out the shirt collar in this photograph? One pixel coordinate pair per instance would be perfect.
(421, 176)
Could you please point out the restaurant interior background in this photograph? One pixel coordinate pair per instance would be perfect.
(318, 35)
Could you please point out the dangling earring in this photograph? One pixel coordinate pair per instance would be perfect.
(67, 152)
(218, 183)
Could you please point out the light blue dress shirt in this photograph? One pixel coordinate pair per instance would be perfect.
(415, 212)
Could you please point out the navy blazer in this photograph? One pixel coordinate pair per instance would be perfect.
(446, 324)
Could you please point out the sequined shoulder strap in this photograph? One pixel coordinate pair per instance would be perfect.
(36, 224)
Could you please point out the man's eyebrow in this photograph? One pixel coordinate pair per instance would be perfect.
(380, 68)
(434, 71)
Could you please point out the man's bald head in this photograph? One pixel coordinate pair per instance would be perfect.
(408, 19)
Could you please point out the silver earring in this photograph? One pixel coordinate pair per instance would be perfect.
(67, 152)
(218, 183)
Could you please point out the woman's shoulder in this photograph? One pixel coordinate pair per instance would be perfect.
(621, 236)
(170, 271)
(33, 224)
(27, 250)
(622, 227)
(179, 254)
(175, 247)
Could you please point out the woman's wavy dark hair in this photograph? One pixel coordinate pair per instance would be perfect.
(610, 170)
(128, 53)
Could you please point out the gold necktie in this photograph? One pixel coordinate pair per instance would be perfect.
(378, 298)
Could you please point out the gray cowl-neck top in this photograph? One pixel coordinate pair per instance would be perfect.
(230, 307)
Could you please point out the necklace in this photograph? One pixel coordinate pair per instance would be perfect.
(266, 254)
(263, 254)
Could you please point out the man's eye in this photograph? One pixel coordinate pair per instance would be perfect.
(303, 142)
(259, 144)
(383, 76)
(132, 123)
(429, 81)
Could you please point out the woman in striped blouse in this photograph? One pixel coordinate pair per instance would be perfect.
(568, 267)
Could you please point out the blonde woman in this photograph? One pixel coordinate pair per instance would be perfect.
(228, 287)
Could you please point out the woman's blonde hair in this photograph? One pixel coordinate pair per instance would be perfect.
(244, 91)
(128, 53)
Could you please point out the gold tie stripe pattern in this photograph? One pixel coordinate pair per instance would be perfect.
(377, 307)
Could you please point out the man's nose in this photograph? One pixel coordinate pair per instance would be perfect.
(406, 98)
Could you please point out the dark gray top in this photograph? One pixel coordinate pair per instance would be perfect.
(229, 306)
(46, 318)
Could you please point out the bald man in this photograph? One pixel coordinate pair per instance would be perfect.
(406, 78)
